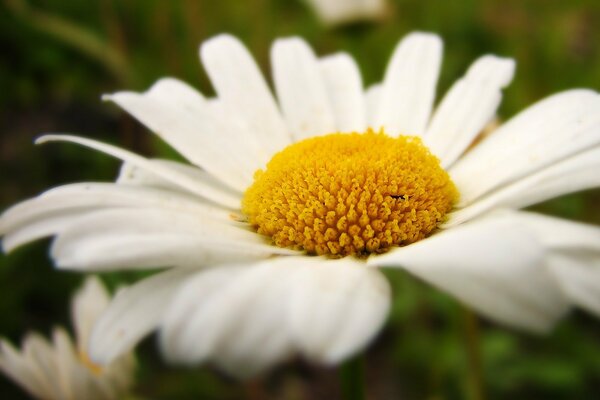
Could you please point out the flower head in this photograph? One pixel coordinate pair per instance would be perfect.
(63, 370)
(273, 233)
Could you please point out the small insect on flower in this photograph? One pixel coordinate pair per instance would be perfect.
(60, 370)
(274, 234)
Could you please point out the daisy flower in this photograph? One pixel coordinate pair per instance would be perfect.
(337, 12)
(62, 370)
(275, 232)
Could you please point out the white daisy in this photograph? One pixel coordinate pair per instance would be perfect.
(62, 370)
(234, 297)
(337, 12)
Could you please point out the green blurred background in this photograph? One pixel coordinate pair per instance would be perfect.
(59, 56)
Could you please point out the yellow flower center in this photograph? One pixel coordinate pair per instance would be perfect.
(350, 194)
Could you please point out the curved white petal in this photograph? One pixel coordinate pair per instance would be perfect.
(559, 234)
(178, 93)
(576, 173)
(37, 229)
(118, 251)
(185, 120)
(79, 197)
(494, 265)
(548, 132)
(467, 107)
(337, 308)
(578, 275)
(409, 85)
(132, 175)
(144, 238)
(133, 313)
(573, 256)
(234, 316)
(301, 89)
(246, 318)
(54, 210)
(244, 92)
(172, 175)
(344, 86)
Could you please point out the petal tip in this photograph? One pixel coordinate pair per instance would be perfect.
(430, 38)
(217, 43)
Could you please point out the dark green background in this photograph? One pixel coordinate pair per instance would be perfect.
(59, 56)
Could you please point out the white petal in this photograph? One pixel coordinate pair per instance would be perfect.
(132, 314)
(372, 99)
(194, 131)
(244, 92)
(409, 85)
(234, 316)
(559, 234)
(573, 174)
(576, 173)
(301, 89)
(121, 251)
(76, 380)
(344, 86)
(178, 93)
(42, 360)
(573, 257)
(239, 142)
(467, 107)
(144, 238)
(30, 376)
(87, 305)
(132, 175)
(101, 194)
(37, 229)
(98, 195)
(56, 209)
(189, 304)
(579, 277)
(182, 117)
(494, 265)
(169, 98)
(174, 176)
(550, 131)
(337, 308)
(247, 318)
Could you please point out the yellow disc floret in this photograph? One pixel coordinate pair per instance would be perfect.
(350, 194)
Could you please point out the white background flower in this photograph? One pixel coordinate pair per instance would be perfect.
(61, 369)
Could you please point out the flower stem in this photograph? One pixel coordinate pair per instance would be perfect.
(475, 386)
(352, 379)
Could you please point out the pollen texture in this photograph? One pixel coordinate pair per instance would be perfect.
(350, 194)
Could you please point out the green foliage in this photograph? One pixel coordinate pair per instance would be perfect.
(59, 56)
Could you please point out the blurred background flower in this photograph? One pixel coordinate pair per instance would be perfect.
(339, 12)
(59, 57)
(61, 369)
